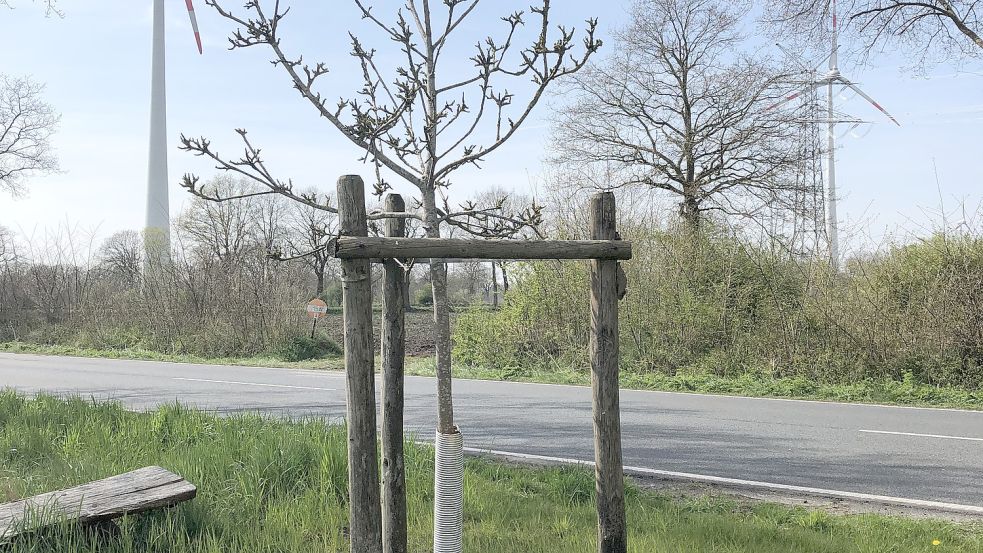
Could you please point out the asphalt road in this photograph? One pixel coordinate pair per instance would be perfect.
(927, 454)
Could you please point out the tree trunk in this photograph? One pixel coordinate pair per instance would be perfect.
(689, 209)
(505, 278)
(448, 460)
(442, 325)
(320, 283)
(494, 284)
(442, 337)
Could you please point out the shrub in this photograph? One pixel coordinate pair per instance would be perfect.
(303, 348)
(716, 304)
(332, 294)
(424, 296)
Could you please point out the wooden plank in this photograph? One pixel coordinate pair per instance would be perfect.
(363, 456)
(131, 493)
(609, 471)
(349, 247)
(394, 532)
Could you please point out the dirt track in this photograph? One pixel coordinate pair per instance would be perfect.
(419, 330)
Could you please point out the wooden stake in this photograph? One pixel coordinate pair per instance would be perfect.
(393, 350)
(363, 459)
(609, 472)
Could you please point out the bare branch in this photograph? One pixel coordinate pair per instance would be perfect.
(678, 108)
(50, 7)
(26, 126)
(931, 30)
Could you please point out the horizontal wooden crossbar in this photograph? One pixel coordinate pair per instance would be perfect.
(134, 492)
(355, 247)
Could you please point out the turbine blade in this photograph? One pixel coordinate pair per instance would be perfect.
(871, 100)
(793, 96)
(791, 55)
(194, 24)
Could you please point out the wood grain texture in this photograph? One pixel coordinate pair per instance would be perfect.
(134, 492)
(349, 247)
(394, 532)
(609, 471)
(363, 456)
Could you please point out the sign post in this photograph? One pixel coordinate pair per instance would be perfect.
(316, 309)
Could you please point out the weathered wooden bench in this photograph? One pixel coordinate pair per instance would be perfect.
(134, 492)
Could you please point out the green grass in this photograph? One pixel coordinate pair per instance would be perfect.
(888, 392)
(276, 486)
(331, 363)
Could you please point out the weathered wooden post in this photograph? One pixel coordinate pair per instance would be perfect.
(607, 287)
(393, 350)
(608, 472)
(363, 460)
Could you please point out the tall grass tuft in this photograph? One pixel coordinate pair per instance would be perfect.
(268, 485)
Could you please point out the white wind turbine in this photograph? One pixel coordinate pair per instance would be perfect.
(158, 212)
(831, 79)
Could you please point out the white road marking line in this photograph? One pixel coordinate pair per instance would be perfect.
(922, 435)
(641, 471)
(254, 384)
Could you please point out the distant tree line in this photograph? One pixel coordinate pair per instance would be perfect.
(239, 277)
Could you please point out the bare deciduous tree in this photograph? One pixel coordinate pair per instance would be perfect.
(6, 245)
(270, 223)
(943, 28)
(26, 126)
(498, 198)
(680, 109)
(311, 233)
(222, 230)
(415, 120)
(121, 255)
(472, 274)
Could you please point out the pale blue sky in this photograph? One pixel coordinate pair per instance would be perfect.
(95, 62)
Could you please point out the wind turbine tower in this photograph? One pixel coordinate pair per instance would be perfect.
(832, 79)
(157, 236)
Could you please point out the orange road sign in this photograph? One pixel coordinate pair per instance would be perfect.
(317, 309)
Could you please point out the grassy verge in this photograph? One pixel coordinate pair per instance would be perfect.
(269, 485)
(882, 392)
(887, 392)
(331, 363)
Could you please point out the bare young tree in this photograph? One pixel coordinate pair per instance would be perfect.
(419, 121)
(678, 108)
(415, 121)
(26, 126)
(947, 29)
